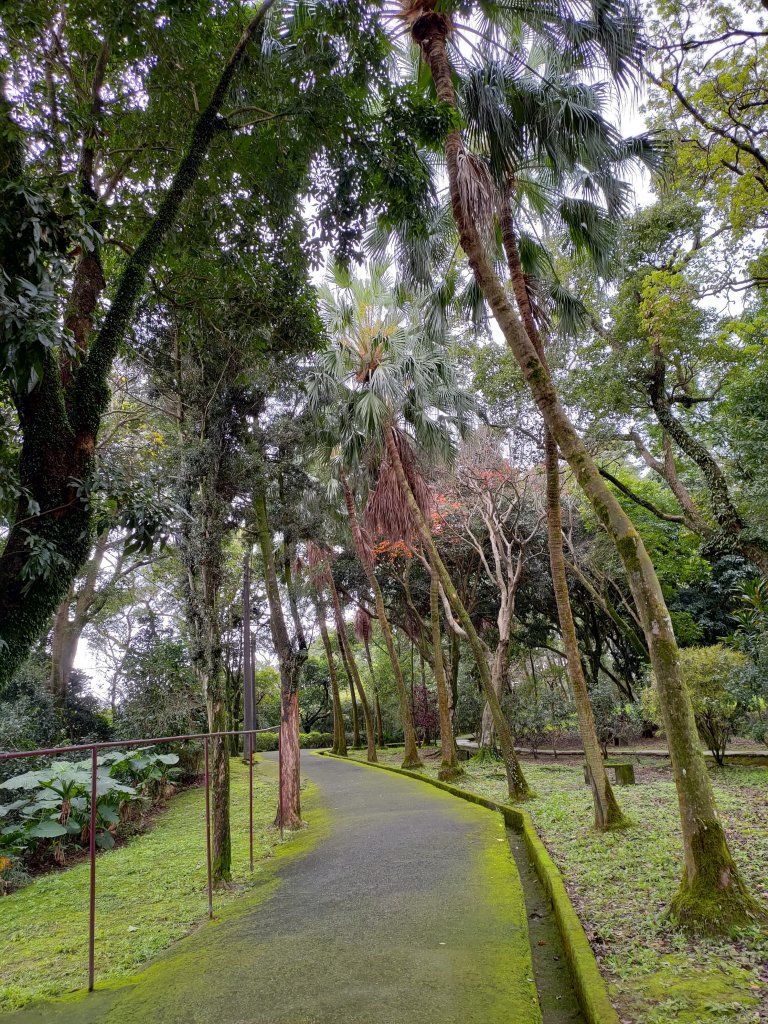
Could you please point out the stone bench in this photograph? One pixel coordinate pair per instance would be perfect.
(623, 772)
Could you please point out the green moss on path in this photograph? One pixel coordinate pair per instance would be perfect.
(622, 883)
(150, 893)
(408, 908)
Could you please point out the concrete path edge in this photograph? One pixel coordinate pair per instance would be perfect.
(589, 983)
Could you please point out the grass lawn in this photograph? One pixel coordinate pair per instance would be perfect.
(621, 884)
(151, 891)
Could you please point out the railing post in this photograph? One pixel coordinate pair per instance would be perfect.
(208, 830)
(92, 894)
(280, 773)
(250, 796)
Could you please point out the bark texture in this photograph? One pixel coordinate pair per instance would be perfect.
(291, 663)
(449, 763)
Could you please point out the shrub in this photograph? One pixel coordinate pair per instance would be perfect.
(307, 740)
(313, 740)
(617, 720)
(265, 741)
(715, 678)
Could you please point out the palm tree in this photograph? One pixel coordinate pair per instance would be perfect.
(340, 418)
(547, 174)
(712, 894)
(394, 390)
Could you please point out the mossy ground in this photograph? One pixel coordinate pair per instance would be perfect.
(621, 884)
(150, 892)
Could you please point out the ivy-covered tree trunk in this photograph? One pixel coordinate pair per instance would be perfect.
(449, 762)
(516, 782)
(712, 894)
(411, 757)
(61, 415)
(291, 663)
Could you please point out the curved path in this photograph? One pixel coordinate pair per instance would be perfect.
(407, 909)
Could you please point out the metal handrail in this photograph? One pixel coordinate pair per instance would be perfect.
(12, 755)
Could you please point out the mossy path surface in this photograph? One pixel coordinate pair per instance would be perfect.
(404, 905)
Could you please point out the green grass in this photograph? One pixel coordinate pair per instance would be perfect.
(150, 892)
(621, 884)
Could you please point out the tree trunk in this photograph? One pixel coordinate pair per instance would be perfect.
(67, 631)
(379, 721)
(63, 648)
(411, 757)
(516, 781)
(375, 690)
(339, 733)
(290, 662)
(353, 699)
(607, 811)
(218, 721)
(449, 766)
(341, 632)
(725, 512)
(712, 894)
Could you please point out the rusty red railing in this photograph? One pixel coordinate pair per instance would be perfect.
(206, 737)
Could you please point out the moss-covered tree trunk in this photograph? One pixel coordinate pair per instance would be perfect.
(290, 663)
(449, 761)
(411, 757)
(712, 893)
(356, 681)
(607, 811)
(516, 782)
(219, 721)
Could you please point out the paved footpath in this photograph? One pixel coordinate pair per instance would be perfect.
(407, 910)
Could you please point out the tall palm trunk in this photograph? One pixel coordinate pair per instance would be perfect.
(411, 757)
(712, 893)
(289, 807)
(341, 632)
(339, 733)
(352, 697)
(516, 781)
(376, 706)
(449, 765)
(607, 811)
